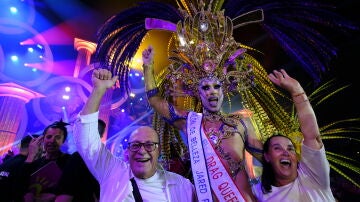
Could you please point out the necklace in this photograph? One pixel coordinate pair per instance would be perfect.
(228, 119)
(212, 117)
(221, 127)
(217, 127)
(217, 134)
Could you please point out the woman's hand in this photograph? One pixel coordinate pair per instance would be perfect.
(283, 80)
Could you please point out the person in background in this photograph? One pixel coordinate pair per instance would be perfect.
(41, 174)
(9, 171)
(77, 184)
(140, 178)
(285, 176)
(9, 154)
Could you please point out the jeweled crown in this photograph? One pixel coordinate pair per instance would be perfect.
(206, 48)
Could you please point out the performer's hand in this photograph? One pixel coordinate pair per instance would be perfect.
(103, 79)
(283, 80)
(148, 57)
(148, 68)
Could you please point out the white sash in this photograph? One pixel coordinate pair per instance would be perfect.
(222, 184)
(198, 163)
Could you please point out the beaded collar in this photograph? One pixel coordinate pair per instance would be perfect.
(212, 116)
(228, 119)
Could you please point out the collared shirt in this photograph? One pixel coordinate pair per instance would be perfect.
(113, 174)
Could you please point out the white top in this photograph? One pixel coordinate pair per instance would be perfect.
(114, 174)
(152, 189)
(311, 185)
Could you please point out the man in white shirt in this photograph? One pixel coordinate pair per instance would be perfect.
(114, 174)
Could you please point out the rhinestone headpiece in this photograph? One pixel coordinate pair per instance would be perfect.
(206, 48)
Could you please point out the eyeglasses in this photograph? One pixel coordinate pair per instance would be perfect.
(149, 146)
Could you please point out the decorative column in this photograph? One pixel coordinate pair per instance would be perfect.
(13, 98)
(85, 50)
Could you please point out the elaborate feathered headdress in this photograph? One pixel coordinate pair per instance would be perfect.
(205, 47)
